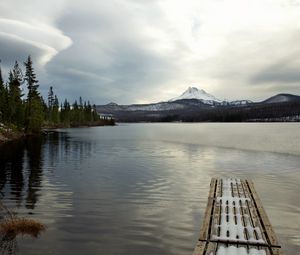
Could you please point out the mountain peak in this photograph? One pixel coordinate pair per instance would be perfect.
(195, 93)
(190, 89)
(112, 104)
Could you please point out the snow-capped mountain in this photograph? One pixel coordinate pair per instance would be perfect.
(191, 98)
(194, 93)
(197, 105)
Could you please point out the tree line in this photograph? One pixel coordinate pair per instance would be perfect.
(285, 111)
(31, 112)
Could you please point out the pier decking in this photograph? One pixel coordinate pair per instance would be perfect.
(235, 222)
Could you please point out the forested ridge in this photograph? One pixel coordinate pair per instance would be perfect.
(192, 112)
(30, 112)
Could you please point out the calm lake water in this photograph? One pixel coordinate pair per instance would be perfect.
(142, 188)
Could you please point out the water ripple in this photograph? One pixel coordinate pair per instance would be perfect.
(143, 188)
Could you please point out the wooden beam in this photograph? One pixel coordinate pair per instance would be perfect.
(200, 248)
(204, 232)
(265, 222)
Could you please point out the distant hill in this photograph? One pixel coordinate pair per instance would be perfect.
(198, 105)
(282, 98)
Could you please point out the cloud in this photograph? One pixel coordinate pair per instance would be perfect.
(124, 52)
(145, 51)
(282, 72)
(283, 63)
(41, 41)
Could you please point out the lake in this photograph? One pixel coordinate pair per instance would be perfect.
(142, 188)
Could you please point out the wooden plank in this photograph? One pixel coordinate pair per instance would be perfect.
(211, 248)
(219, 188)
(200, 248)
(212, 189)
(205, 248)
(208, 244)
(204, 232)
(277, 251)
(255, 219)
(265, 222)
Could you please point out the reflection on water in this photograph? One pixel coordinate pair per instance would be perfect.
(34, 155)
(136, 189)
(13, 178)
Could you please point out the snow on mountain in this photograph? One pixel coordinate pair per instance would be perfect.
(194, 93)
(155, 107)
(163, 106)
(192, 97)
(240, 102)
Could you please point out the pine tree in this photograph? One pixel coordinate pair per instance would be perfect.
(88, 112)
(95, 114)
(75, 114)
(30, 78)
(80, 112)
(34, 104)
(50, 97)
(56, 110)
(1, 78)
(2, 96)
(15, 103)
(65, 113)
(50, 103)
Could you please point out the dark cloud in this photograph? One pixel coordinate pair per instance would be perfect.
(283, 72)
(110, 56)
(13, 48)
(128, 76)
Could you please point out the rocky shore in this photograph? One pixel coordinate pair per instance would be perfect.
(8, 134)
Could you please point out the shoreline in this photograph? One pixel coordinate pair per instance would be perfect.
(9, 135)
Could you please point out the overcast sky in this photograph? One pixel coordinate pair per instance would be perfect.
(140, 51)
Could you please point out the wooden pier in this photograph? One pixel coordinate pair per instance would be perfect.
(235, 222)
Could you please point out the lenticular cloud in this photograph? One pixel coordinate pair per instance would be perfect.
(40, 40)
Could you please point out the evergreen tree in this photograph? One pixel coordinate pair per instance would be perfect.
(1, 78)
(45, 109)
(88, 112)
(32, 82)
(65, 113)
(50, 97)
(34, 104)
(81, 112)
(2, 97)
(50, 103)
(15, 103)
(75, 114)
(95, 114)
(31, 113)
(55, 110)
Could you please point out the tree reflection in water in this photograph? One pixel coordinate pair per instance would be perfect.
(35, 169)
(13, 183)
(24, 168)
(11, 170)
